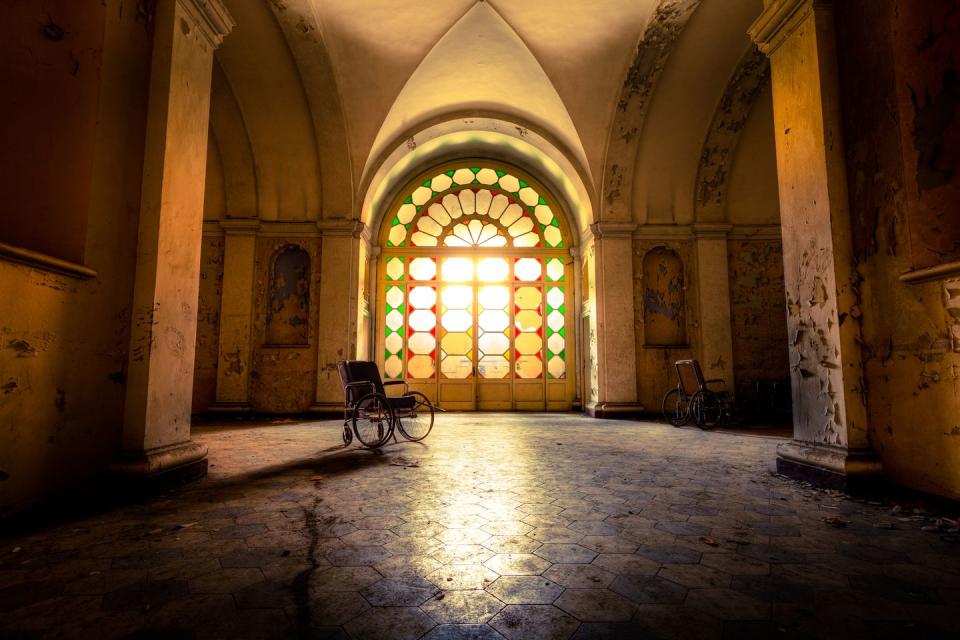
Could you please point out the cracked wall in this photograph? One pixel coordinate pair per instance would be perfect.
(208, 323)
(909, 329)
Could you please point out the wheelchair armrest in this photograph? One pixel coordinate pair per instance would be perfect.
(353, 385)
(387, 383)
(722, 383)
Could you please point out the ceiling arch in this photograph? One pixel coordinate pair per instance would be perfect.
(479, 65)
(233, 152)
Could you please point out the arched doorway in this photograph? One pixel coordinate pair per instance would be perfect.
(476, 289)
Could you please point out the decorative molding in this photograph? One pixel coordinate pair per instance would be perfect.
(212, 17)
(613, 229)
(712, 230)
(779, 20)
(342, 227)
(928, 274)
(748, 80)
(240, 227)
(653, 50)
(44, 262)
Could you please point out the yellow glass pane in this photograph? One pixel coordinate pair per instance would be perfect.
(393, 343)
(528, 196)
(487, 176)
(496, 241)
(493, 321)
(458, 297)
(509, 183)
(552, 236)
(439, 214)
(420, 367)
(422, 320)
(393, 367)
(527, 269)
(456, 343)
(475, 227)
(457, 269)
(493, 367)
(398, 233)
(421, 239)
(441, 183)
(527, 240)
(394, 297)
(457, 367)
(520, 227)
(528, 320)
(493, 270)
(422, 343)
(488, 233)
(511, 215)
(498, 206)
(527, 297)
(463, 176)
(394, 320)
(468, 202)
(406, 213)
(423, 268)
(484, 198)
(493, 344)
(423, 297)
(452, 204)
(544, 214)
(421, 195)
(557, 367)
(456, 320)
(429, 225)
(494, 297)
(528, 343)
(529, 367)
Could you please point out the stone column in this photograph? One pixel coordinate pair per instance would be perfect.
(713, 286)
(156, 427)
(616, 343)
(339, 288)
(236, 316)
(830, 445)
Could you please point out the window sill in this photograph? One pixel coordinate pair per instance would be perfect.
(44, 262)
(928, 274)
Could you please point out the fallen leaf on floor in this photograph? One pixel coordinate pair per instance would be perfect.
(836, 523)
(709, 541)
(400, 461)
(16, 550)
(316, 478)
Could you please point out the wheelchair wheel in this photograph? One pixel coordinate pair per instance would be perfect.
(415, 424)
(347, 434)
(373, 420)
(707, 409)
(676, 408)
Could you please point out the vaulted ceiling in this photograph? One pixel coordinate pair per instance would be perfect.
(311, 97)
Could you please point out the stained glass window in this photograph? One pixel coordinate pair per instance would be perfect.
(474, 207)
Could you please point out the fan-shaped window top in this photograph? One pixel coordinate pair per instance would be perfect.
(474, 207)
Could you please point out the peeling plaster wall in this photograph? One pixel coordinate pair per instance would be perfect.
(208, 323)
(910, 349)
(758, 318)
(655, 371)
(64, 341)
(283, 378)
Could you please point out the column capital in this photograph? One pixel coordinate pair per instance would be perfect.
(240, 227)
(779, 19)
(613, 229)
(212, 17)
(712, 229)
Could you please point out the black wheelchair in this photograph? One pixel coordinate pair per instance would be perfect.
(693, 399)
(372, 414)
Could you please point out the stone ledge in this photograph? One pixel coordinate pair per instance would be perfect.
(44, 262)
(162, 460)
(613, 410)
(828, 466)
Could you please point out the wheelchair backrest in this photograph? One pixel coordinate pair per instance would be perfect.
(690, 376)
(359, 371)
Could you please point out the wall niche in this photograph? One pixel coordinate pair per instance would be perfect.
(664, 308)
(288, 298)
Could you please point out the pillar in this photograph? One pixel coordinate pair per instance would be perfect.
(830, 446)
(713, 286)
(236, 316)
(155, 438)
(339, 291)
(613, 322)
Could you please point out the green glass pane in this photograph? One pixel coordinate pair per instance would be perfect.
(427, 183)
(523, 184)
(500, 174)
(542, 201)
(450, 173)
(475, 169)
(409, 200)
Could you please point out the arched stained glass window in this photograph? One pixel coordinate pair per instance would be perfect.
(475, 207)
(476, 289)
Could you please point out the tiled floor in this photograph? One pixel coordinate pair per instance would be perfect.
(520, 526)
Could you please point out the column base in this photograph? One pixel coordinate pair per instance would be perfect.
(230, 407)
(162, 467)
(829, 467)
(613, 410)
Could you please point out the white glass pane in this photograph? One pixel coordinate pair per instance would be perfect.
(423, 268)
(494, 297)
(493, 270)
(457, 269)
(423, 297)
(457, 297)
(527, 269)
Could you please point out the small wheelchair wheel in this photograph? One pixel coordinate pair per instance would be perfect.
(676, 408)
(415, 423)
(373, 420)
(707, 409)
(347, 435)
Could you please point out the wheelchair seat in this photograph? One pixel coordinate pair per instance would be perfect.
(360, 371)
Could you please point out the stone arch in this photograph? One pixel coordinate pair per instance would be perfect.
(748, 80)
(233, 144)
(664, 303)
(288, 297)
